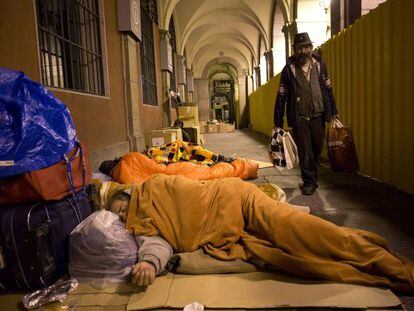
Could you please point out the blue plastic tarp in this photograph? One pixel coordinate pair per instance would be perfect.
(36, 128)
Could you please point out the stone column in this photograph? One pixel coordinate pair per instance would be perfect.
(269, 64)
(190, 86)
(132, 91)
(166, 69)
(182, 78)
(258, 80)
(243, 111)
(289, 30)
(203, 98)
(251, 84)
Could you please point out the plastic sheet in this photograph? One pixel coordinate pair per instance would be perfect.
(101, 250)
(194, 306)
(36, 128)
(56, 292)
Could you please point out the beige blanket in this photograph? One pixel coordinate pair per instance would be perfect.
(232, 219)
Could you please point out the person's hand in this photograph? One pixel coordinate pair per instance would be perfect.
(336, 116)
(143, 274)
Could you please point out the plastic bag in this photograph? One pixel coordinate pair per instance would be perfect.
(290, 151)
(194, 306)
(276, 152)
(282, 150)
(56, 292)
(102, 250)
(36, 128)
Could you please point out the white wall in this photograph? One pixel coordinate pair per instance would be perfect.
(262, 60)
(367, 5)
(313, 20)
(279, 48)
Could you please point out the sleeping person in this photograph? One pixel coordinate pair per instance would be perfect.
(232, 219)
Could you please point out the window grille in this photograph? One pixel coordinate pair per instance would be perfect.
(173, 84)
(150, 7)
(70, 45)
(149, 82)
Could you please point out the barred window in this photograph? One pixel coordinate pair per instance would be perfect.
(149, 83)
(173, 85)
(70, 45)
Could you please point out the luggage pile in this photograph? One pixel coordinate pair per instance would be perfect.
(44, 177)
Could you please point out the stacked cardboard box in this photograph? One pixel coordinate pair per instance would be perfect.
(189, 115)
(211, 128)
(203, 128)
(225, 128)
(158, 138)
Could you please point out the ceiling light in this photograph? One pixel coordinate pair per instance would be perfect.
(325, 4)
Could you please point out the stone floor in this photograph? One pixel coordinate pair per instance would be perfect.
(345, 199)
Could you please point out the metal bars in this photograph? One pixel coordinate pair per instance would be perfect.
(149, 82)
(70, 44)
(173, 83)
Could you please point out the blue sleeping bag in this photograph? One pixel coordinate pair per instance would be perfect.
(36, 128)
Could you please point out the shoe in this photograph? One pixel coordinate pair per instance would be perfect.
(308, 189)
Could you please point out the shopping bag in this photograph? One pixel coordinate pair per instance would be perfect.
(291, 151)
(341, 148)
(282, 150)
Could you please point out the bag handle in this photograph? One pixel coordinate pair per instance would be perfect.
(68, 160)
(335, 123)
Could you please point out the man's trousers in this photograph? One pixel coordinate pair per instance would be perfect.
(309, 136)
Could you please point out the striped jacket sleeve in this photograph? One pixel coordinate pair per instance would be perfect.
(329, 89)
(282, 95)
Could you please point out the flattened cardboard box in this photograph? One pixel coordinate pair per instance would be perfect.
(243, 291)
(257, 290)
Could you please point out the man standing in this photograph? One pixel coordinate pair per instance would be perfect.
(305, 87)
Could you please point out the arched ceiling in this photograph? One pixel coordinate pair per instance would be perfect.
(225, 63)
(211, 30)
(224, 67)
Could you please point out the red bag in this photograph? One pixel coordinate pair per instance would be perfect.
(341, 148)
(55, 182)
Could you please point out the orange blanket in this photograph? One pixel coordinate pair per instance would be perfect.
(135, 168)
(232, 219)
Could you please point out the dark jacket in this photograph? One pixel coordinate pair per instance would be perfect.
(287, 93)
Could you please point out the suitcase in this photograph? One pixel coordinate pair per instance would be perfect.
(34, 241)
(51, 183)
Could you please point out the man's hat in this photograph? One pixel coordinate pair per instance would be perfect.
(302, 39)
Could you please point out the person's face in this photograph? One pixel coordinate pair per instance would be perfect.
(303, 52)
(120, 208)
